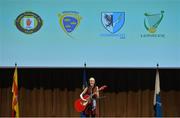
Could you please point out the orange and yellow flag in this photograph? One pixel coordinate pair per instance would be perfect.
(15, 106)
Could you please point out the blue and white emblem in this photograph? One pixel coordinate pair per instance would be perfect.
(113, 21)
(69, 21)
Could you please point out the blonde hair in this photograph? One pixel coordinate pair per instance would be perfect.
(91, 78)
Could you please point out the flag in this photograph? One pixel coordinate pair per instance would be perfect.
(84, 86)
(15, 106)
(84, 79)
(157, 97)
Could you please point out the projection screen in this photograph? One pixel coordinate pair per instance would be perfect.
(102, 33)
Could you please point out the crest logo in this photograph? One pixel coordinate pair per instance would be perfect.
(113, 21)
(152, 21)
(28, 22)
(69, 21)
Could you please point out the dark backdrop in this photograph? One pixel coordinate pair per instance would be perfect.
(52, 91)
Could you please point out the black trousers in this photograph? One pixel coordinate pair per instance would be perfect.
(89, 111)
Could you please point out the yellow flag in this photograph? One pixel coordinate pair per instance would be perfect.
(15, 106)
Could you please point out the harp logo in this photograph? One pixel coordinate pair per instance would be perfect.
(152, 21)
(113, 21)
(69, 21)
(28, 22)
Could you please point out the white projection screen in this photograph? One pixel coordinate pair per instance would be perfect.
(102, 33)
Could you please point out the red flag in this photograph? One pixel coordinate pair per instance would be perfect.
(15, 106)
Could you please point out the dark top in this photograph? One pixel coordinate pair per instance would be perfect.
(91, 90)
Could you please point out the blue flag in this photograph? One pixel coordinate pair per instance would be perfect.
(84, 79)
(157, 97)
(84, 86)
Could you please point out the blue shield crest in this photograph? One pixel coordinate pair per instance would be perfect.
(69, 21)
(113, 21)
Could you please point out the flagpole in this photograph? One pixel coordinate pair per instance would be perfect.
(85, 65)
(157, 66)
(84, 76)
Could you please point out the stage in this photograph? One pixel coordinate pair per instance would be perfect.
(52, 91)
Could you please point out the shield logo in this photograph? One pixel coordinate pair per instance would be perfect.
(113, 21)
(69, 21)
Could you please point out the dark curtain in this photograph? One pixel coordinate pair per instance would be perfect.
(52, 91)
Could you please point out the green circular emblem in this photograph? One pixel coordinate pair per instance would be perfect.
(28, 22)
